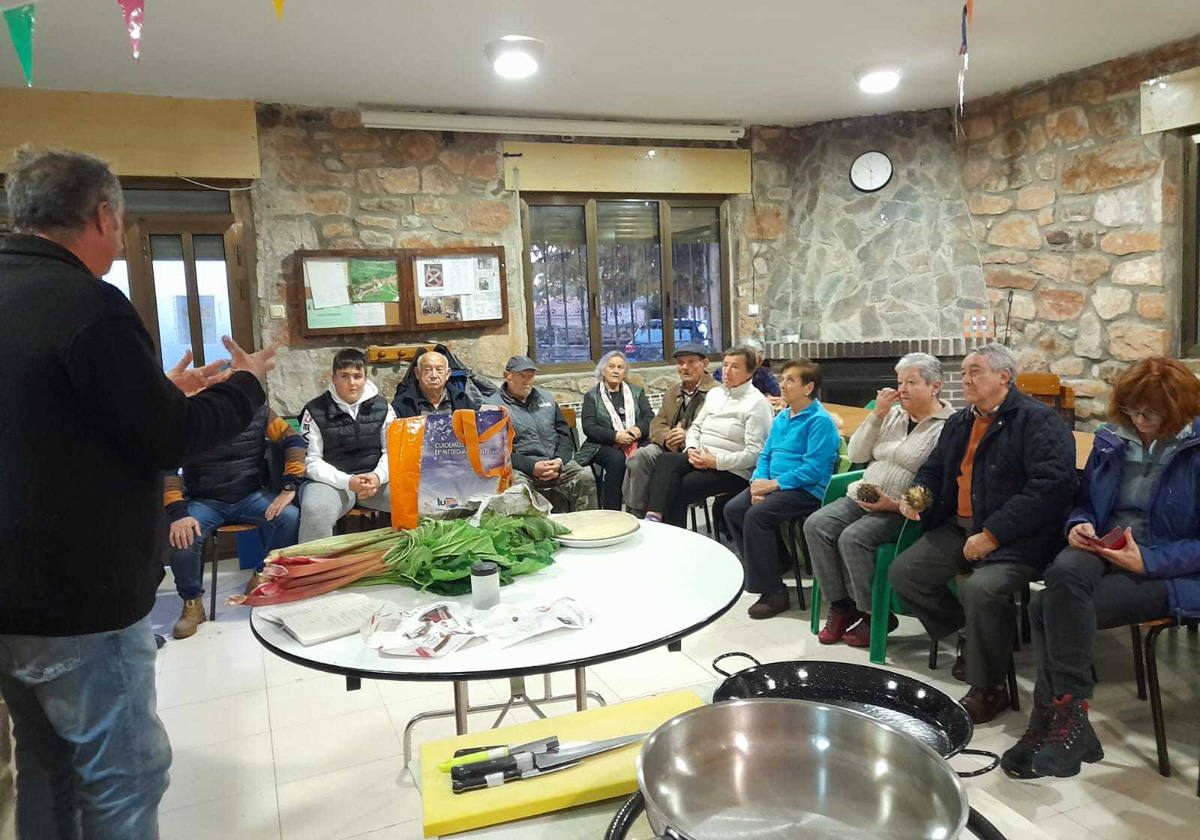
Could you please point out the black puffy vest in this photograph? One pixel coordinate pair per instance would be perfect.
(233, 470)
(353, 446)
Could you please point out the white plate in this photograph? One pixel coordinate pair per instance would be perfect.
(570, 543)
(613, 526)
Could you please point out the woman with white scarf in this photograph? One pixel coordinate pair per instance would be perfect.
(616, 421)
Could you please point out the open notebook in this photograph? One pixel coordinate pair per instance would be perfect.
(320, 619)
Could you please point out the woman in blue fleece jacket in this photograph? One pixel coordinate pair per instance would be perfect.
(1143, 477)
(787, 485)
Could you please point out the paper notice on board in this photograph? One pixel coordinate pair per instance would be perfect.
(369, 314)
(483, 307)
(329, 281)
(442, 277)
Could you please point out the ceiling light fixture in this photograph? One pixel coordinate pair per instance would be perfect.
(515, 56)
(878, 81)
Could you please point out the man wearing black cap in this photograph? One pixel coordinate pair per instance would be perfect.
(544, 444)
(668, 431)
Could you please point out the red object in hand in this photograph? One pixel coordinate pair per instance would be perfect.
(1114, 539)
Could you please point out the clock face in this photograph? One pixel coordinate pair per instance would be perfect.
(871, 171)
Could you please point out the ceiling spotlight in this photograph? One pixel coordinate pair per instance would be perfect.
(878, 81)
(515, 56)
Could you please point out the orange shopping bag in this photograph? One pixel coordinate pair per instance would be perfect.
(441, 461)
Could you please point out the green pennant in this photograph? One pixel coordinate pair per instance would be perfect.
(20, 29)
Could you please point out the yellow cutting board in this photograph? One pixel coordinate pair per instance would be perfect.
(599, 777)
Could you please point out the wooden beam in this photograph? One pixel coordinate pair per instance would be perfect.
(140, 136)
(575, 167)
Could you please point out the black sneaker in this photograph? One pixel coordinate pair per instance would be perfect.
(1017, 760)
(1070, 742)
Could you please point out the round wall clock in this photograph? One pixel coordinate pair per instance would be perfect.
(871, 171)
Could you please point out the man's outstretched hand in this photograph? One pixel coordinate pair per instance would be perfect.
(192, 380)
(257, 363)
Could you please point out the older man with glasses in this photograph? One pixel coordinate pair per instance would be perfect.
(1000, 481)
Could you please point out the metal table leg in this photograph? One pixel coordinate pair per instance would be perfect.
(517, 693)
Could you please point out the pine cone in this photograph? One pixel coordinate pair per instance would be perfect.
(868, 493)
(918, 498)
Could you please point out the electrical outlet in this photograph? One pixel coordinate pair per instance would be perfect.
(278, 311)
(752, 310)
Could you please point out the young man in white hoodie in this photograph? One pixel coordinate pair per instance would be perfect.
(346, 464)
(722, 445)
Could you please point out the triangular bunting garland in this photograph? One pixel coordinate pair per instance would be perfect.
(20, 30)
(278, 8)
(134, 11)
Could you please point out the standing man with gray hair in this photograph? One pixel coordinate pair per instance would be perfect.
(90, 422)
(1001, 480)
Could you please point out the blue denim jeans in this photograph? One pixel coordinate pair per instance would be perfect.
(211, 514)
(92, 755)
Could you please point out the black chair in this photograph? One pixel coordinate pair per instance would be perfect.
(1145, 666)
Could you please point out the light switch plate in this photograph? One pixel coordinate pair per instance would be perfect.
(278, 310)
(752, 309)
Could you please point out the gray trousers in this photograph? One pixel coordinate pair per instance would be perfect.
(842, 539)
(635, 489)
(574, 489)
(984, 606)
(322, 505)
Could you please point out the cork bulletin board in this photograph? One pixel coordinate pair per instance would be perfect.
(357, 291)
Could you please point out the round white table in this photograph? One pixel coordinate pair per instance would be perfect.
(650, 590)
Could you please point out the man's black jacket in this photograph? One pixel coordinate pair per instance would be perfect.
(88, 422)
(1023, 481)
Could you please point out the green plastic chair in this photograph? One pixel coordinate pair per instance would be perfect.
(883, 599)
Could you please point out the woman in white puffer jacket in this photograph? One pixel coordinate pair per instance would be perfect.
(723, 444)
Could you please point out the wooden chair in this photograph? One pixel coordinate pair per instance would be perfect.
(1047, 388)
(1145, 666)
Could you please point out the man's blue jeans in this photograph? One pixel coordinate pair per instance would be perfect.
(92, 755)
(211, 514)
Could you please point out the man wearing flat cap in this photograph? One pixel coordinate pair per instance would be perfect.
(668, 431)
(544, 444)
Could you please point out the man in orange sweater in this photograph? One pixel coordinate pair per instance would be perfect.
(1002, 478)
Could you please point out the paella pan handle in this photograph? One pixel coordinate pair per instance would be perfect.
(725, 673)
(632, 809)
(991, 765)
(982, 828)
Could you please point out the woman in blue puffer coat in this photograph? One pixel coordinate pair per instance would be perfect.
(1142, 486)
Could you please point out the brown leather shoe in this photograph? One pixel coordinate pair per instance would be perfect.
(771, 604)
(959, 669)
(191, 618)
(252, 584)
(983, 704)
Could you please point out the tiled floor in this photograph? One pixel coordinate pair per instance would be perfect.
(266, 749)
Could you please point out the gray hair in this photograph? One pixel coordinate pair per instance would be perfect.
(999, 358)
(927, 366)
(604, 361)
(58, 191)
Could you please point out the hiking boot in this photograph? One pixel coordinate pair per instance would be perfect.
(191, 618)
(860, 635)
(983, 704)
(1017, 760)
(836, 625)
(1070, 742)
(252, 584)
(771, 604)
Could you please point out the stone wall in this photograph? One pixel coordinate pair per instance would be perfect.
(329, 183)
(826, 262)
(1079, 217)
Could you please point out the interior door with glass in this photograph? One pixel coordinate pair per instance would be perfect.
(195, 291)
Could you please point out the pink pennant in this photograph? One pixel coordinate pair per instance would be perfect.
(134, 11)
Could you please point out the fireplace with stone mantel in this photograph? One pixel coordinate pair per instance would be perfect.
(854, 370)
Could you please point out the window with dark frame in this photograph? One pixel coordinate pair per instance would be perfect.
(638, 275)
